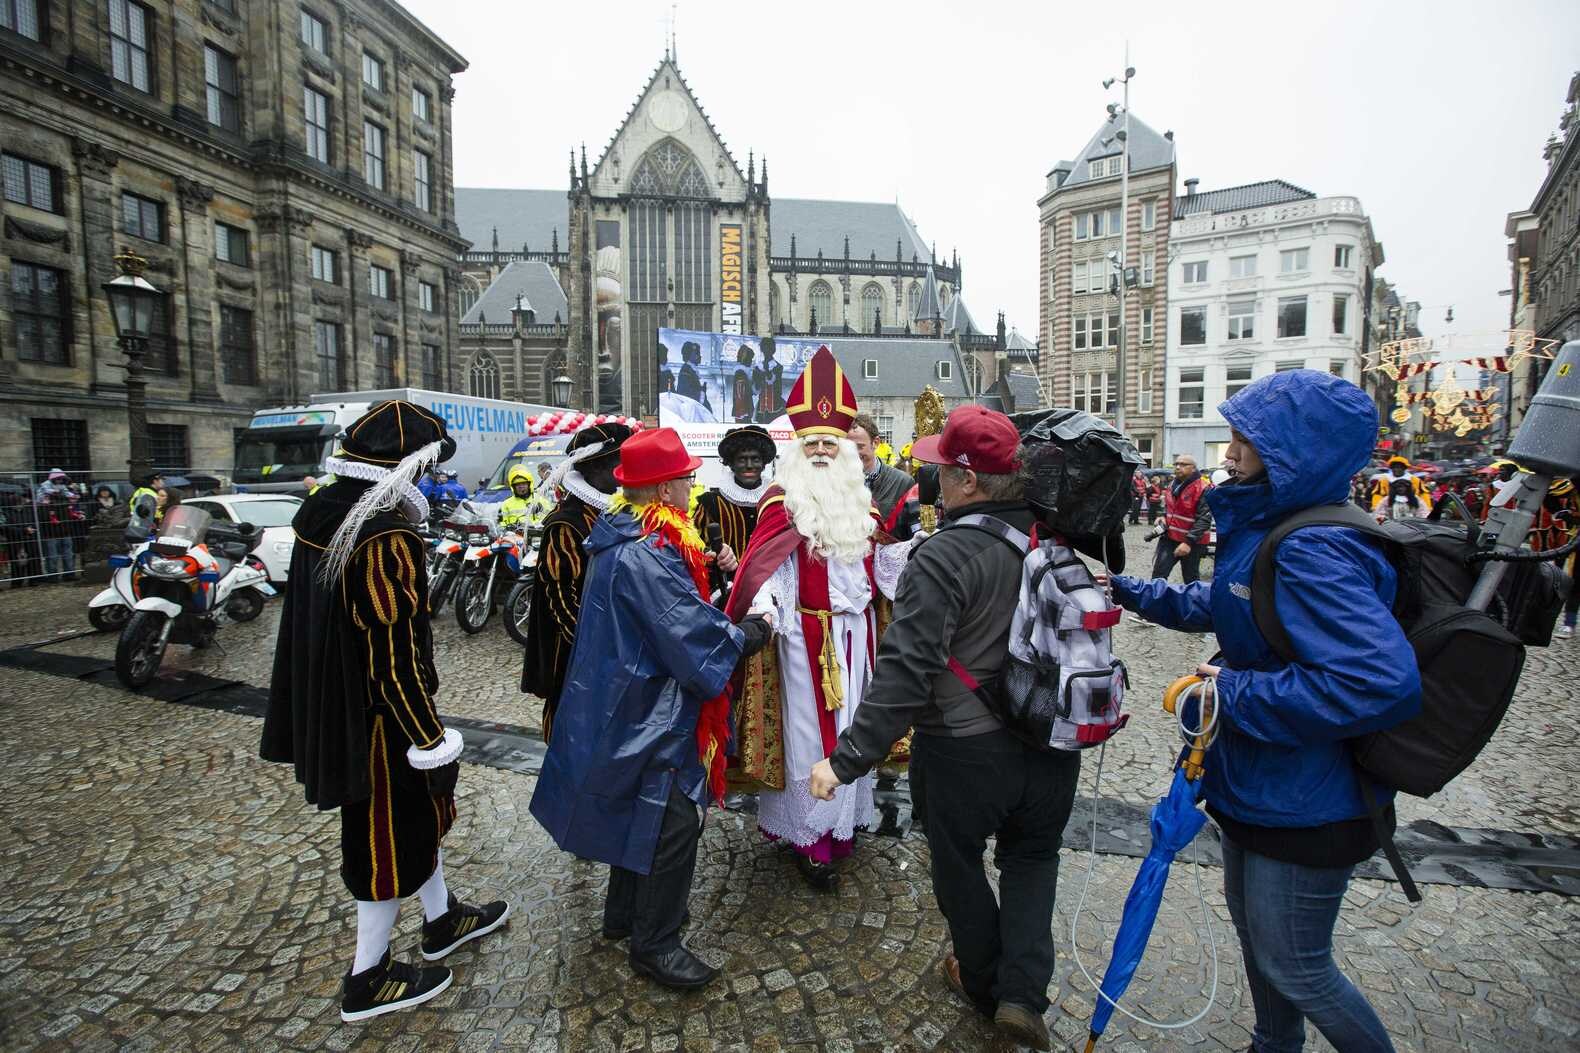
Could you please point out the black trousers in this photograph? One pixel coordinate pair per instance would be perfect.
(995, 786)
(1163, 561)
(652, 905)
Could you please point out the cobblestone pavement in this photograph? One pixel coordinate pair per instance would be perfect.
(166, 890)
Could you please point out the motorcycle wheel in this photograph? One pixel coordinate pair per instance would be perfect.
(109, 619)
(140, 649)
(244, 606)
(474, 602)
(518, 607)
(439, 587)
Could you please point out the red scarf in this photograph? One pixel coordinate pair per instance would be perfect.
(670, 527)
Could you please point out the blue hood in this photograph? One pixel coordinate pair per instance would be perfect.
(1313, 431)
(611, 530)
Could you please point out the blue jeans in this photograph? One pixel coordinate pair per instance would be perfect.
(1285, 913)
(60, 556)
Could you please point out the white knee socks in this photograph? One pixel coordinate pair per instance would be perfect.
(435, 896)
(375, 922)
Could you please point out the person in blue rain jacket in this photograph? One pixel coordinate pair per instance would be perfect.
(1280, 781)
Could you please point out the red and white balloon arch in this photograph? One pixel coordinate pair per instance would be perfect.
(565, 422)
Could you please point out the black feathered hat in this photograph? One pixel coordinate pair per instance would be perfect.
(751, 436)
(611, 434)
(392, 431)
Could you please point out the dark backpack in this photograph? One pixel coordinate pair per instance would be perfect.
(1469, 660)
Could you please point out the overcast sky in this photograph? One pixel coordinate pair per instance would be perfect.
(1433, 114)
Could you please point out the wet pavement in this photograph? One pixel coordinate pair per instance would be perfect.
(166, 890)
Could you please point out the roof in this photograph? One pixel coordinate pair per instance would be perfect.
(904, 366)
(957, 319)
(927, 307)
(534, 281)
(1025, 389)
(872, 227)
(1236, 198)
(1014, 341)
(520, 216)
(1148, 150)
(672, 64)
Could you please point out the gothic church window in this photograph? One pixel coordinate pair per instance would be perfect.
(872, 308)
(483, 379)
(914, 299)
(821, 299)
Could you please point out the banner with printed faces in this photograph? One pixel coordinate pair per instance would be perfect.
(709, 383)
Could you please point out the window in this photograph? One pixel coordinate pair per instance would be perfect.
(1193, 393)
(372, 72)
(1144, 443)
(59, 444)
(430, 368)
(224, 89)
(373, 154)
(129, 35)
(20, 17)
(1242, 266)
(1196, 272)
(326, 265)
(230, 245)
(1149, 215)
(1242, 319)
(1291, 316)
(946, 370)
(1113, 329)
(421, 104)
(326, 346)
(314, 33)
(384, 372)
(1082, 223)
(30, 183)
(142, 217)
(1341, 256)
(315, 108)
(885, 425)
(167, 446)
(1294, 261)
(235, 345)
(1341, 315)
(1079, 280)
(39, 313)
(822, 300)
(1147, 259)
(424, 184)
(161, 354)
(1193, 325)
(427, 296)
(869, 369)
(379, 281)
(483, 378)
(1338, 367)
(1146, 325)
(1096, 392)
(1234, 379)
(872, 309)
(1078, 332)
(1285, 367)
(1144, 396)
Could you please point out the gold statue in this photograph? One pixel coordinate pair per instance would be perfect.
(929, 421)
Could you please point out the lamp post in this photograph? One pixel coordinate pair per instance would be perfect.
(132, 303)
(1123, 268)
(562, 390)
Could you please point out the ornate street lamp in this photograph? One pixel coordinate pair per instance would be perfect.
(562, 390)
(132, 305)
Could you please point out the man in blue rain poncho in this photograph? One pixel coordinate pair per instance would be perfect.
(640, 732)
(1280, 780)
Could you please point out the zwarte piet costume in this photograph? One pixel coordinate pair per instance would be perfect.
(730, 505)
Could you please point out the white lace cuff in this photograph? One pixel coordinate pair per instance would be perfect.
(448, 749)
(888, 563)
(777, 597)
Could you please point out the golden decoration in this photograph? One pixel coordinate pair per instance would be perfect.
(929, 421)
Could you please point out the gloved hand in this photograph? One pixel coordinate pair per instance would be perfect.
(440, 753)
(758, 632)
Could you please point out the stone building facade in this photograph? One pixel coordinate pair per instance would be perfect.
(1079, 313)
(1555, 270)
(286, 169)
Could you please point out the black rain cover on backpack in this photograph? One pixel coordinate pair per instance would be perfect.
(1079, 469)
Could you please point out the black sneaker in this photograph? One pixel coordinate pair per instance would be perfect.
(459, 924)
(388, 986)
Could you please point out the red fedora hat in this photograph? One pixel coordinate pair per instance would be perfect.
(652, 457)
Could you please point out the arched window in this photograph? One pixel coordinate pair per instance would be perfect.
(943, 296)
(872, 308)
(483, 380)
(773, 305)
(471, 291)
(914, 298)
(821, 299)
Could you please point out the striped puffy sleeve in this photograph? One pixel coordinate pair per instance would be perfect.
(383, 591)
(560, 569)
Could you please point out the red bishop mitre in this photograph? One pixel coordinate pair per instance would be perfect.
(822, 401)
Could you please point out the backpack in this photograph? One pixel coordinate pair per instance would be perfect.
(1060, 688)
(1469, 660)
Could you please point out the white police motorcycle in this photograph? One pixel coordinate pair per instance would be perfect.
(183, 585)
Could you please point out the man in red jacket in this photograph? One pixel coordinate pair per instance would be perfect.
(1186, 522)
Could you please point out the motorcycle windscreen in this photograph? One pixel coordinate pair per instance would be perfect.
(184, 525)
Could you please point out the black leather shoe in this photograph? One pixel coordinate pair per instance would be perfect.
(821, 876)
(611, 932)
(678, 968)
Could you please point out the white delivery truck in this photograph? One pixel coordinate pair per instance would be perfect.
(285, 444)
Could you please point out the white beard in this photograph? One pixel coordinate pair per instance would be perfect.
(830, 506)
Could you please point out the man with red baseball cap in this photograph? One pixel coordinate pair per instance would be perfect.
(638, 744)
(952, 613)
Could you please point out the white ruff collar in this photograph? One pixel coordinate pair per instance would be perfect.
(585, 491)
(736, 494)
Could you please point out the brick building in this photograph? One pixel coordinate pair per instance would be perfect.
(1079, 313)
(286, 169)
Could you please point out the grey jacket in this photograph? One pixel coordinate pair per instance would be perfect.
(956, 599)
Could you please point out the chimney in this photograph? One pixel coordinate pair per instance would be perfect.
(1190, 187)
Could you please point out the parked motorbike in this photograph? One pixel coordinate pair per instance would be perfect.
(518, 601)
(490, 559)
(444, 562)
(186, 583)
(110, 609)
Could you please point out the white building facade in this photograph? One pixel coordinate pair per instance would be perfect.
(1261, 278)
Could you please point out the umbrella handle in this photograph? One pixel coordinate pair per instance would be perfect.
(1091, 1043)
(1200, 738)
